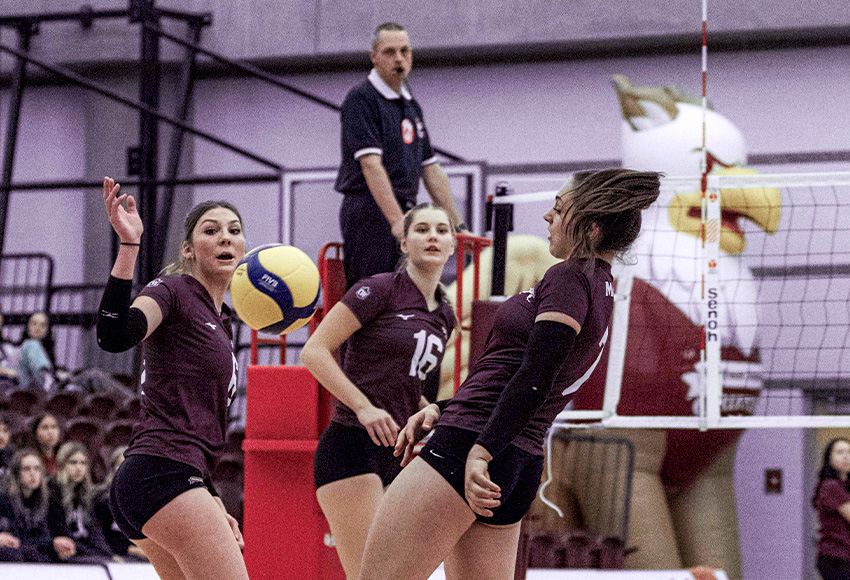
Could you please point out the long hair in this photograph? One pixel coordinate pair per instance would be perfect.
(74, 495)
(34, 431)
(827, 471)
(30, 517)
(605, 209)
(181, 265)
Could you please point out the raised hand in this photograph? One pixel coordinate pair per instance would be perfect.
(125, 221)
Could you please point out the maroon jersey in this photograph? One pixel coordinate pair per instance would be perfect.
(834, 537)
(188, 378)
(399, 344)
(565, 288)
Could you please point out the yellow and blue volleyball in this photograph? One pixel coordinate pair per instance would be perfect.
(275, 288)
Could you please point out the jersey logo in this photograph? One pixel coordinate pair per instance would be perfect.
(407, 134)
(530, 293)
(154, 283)
(405, 316)
(210, 324)
(363, 292)
(106, 314)
(609, 289)
(195, 480)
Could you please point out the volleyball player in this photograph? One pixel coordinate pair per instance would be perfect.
(161, 496)
(397, 325)
(461, 500)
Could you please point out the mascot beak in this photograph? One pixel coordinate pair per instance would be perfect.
(760, 205)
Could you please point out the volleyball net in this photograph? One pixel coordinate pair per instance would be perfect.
(732, 309)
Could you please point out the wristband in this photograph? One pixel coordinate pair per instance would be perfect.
(129, 244)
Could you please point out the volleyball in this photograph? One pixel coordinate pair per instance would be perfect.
(275, 289)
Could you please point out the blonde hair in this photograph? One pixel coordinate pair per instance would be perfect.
(72, 490)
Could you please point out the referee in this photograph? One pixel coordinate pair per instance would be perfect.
(385, 151)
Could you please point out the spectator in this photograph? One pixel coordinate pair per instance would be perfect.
(120, 545)
(6, 451)
(832, 502)
(46, 436)
(9, 355)
(32, 525)
(36, 362)
(74, 478)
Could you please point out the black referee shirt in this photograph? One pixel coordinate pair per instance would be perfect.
(376, 119)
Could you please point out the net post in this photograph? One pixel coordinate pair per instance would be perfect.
(502, 224)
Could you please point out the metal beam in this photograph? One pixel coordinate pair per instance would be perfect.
(272, 79)
(197, 180)
(97, 88)
(25, 33)
(166, 203)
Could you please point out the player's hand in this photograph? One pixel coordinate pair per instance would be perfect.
(7, 540)
(416, 428)
(64, 547)
(125, 221)
(482, 494)
(234, 527)
(231, 521)
(379, 424)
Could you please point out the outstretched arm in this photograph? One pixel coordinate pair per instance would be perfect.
(437, 185)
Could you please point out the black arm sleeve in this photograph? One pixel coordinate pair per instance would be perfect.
(119, 327)
(441, 405)
(549, 345)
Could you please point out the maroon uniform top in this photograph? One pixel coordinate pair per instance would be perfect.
(399, 344)
(834, 529)
(566, 288)
(188, 378)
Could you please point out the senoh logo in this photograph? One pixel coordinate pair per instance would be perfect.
(712, 197)
(407, 133)
(711, 323)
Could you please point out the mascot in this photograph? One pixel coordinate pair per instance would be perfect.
(682, 509)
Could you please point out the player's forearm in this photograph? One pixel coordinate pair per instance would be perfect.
(437, 185)
(321, 362)
(125, 262)
(382, 190)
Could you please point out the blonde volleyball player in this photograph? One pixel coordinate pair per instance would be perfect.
(161, 497)
(461, 500)
(396, 325)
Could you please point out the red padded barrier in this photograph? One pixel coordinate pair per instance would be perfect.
(284, 528)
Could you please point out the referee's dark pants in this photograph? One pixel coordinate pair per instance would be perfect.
(369, 246)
